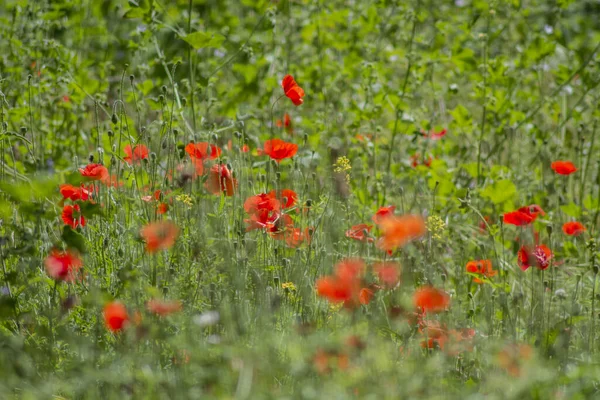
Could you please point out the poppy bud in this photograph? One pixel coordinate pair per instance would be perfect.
(163, 88)
(308, 203)
(4, 125)
(110, 133)
(114, 148)
(114, 118)
(105, 242)
(215, 138)
(91, 158)
(470, 296)
(161, 98)
(143, 129)
(274, 164)
(286, 261)
(444, 277)
(276, 280)
(549, 230)
(183, 101)
(237, 134)
(131, 78)
(120, 252)
(470, 313)
(278, 175)
(595, 269)
(113, 160)
(261, 177)
(23, 130)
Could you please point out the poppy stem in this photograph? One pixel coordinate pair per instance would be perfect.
(272, 110)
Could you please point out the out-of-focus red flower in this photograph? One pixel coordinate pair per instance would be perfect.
(71, 216)
(564, 167)
(397, 231)
(482, 268)
(483, 225)
(388, 273)
(161, 207)
(345, 286)
(539, 256)
(287, 196)
(278, 149)
(203, 151)
(63, 265)
(573, 228)
(221, 180)
(112, 181)
(245, 148)
(285, 123)
(74, 193)
(291, 89)
(115, 316)
(524, 215)
(429, 299)
(139, 153)
(416, 160)
(513, 356)
(383, 213)
(94, 172)
(360, 232)
(163, 307)
(325, 361)
(294, 237)
(159, 235)
(434, 135)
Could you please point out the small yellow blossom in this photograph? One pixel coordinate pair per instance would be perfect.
(185, 199)
(342, 164)
(436, 226)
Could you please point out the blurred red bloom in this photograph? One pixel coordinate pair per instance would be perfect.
(115, 316)
(360, 232)
(163, 307)
(294, 237)
(524, 215)
(429, 299)
(71, 216)
(220, 180)
(398, 231)
(139, 153)
(416, 160)
(434, 135)
(539, 257)
(203, 150)
(159, 235)
(245, 148)
(62, 265)
(278, 149)
(483, 225)
(95, 172)
(287, 196)
(388, 273)
(292, 90)
(383, 213)
(564, 167)
(573, 228)
(513, 356)
(74, 193)
(481, 267)
(286, 123)
(345, 286)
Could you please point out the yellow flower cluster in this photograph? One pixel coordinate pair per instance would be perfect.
(436, 226)
(342, 164)
(185, 199)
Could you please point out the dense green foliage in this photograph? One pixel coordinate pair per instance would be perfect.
(514, 83)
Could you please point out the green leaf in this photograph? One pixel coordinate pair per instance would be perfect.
(133, 13)
(73, 239)
(200, 40)
(571, 209)
(500, 191)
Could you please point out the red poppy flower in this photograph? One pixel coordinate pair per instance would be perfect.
(220, 180)
(563, 167)
(62, 265)
(365, 295)
(262, 201)
(383, 213)
(483, 224)
(294, 237)
(159, 235)
(95, 172)
(74, 193)
(292, 90)
(524, 215)
(434, 135)
(360, 232)
(112, 181)
(346, 285)
(481, 267)
(139, 153)
(429, 299)
(163, 307)
(398, 231)
(245, 148)
(416, 160)
(286, 123)
(71, 215)
(203, 151)
(388, 273)
(287, 196)
(115, 316)
(573, 228)
(539, 257)
(278, 149)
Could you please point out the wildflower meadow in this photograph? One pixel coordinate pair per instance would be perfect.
(299, 199)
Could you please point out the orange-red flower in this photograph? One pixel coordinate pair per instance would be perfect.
(285, 123)
(345, 286)
(221, 180)
(360, 232)
(292, 90)
(564, 167)
(139, 153)
(524, 215)
(429, 299)
(159, 235)
(482, 268)
(115, 316)
(388, 273)
(163, 307)
(287, 196)
(294, 237)
(416, 160)
(71, 215)
(203, 151)
(95, 172)
(434, 135)
(74, 193)
(512, 357)
(539, 256)
(278, 149)
(383, 213)
(325, 361)
(573, 228)
(62, 265)
(398, 231)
